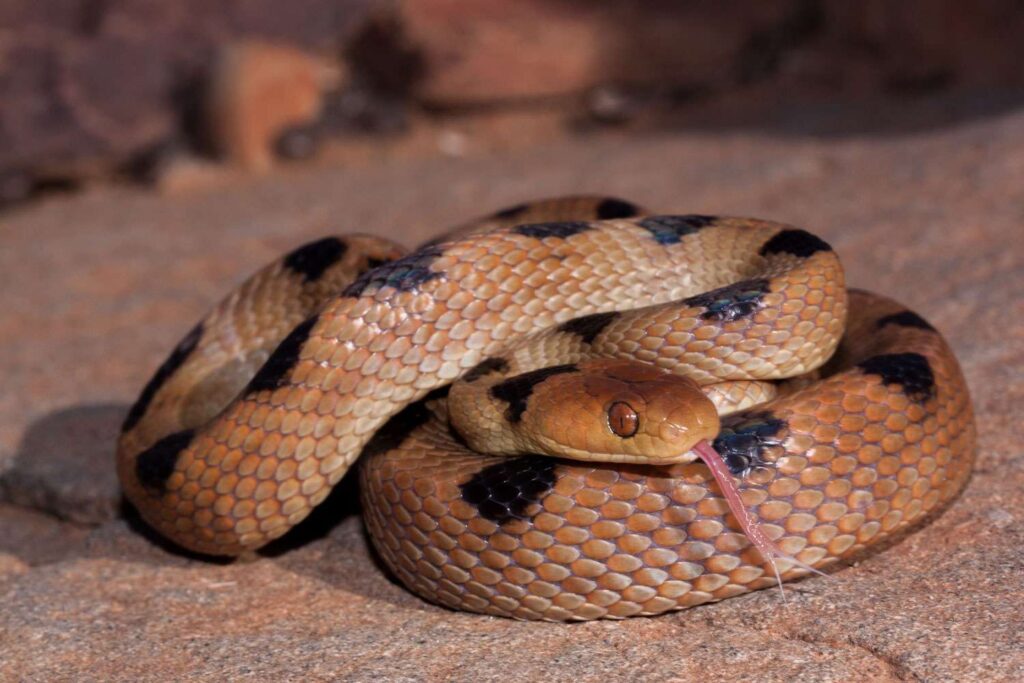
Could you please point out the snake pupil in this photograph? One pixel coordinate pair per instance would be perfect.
(622, 419)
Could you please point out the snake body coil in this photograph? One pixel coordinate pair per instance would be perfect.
(836, 440)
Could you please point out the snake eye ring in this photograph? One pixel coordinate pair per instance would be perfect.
(622, 419)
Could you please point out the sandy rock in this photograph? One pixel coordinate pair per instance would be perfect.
(11, 566)
(263, 631)
(930, 219)
(38, 538)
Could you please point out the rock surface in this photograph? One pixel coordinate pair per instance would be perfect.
(932, 219)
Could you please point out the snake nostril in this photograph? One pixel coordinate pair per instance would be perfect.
(622, 419)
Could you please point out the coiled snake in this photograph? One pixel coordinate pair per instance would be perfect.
(596, 347)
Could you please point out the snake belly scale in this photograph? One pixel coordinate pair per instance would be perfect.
(843, 418)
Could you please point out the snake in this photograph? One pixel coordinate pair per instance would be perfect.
(570, 409)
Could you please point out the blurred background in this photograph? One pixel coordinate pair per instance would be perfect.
(175, 94)
(155, 152)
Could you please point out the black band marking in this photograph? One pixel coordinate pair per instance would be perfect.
(616, 208)
(905, 319)
(278, 367)
(796, 242)
(311, 260)
(506, 490)
(516, 391)
(155, 465)
(486, 367)
(560, 229)
(671, 229)
(174, 361)
(912, 371)
(743, 439)
(587, 327)
(404, 274)
(731, 302)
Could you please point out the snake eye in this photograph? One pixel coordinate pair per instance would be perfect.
(622, 419)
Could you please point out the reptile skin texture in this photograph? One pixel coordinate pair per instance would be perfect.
(845, 418)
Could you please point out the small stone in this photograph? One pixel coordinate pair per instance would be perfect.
(65, 465)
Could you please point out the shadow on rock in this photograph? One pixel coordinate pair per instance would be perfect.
(333, 546)
(65, 470)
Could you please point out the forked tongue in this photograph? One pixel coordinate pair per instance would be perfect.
(750, 525)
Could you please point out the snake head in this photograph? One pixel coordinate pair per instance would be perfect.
(617, 411)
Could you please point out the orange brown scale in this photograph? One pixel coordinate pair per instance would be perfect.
(622, 540)
(833, 461)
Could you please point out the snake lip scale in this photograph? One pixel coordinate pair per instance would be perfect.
(570, 409)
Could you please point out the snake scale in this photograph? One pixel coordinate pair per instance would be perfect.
(672, 409)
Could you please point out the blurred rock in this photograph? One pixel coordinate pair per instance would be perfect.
(15, 186)
(913, 47)
(90, 87)
(74, 107)
(489, 51)
(257, 91)
(185, 172)
(87, 86)
(499, 53)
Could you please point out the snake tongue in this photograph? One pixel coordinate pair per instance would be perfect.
(750, 525)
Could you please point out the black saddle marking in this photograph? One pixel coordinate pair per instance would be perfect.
(559, 229)
(311, 260)
(912, 371)
(671, 229)
(174, 361)
(744, 438)
(587, 327)
(516, 391)
(279, 366)
(905, 319)
(155, 465)
(506, 490)
(796, 242)
(616, 208)
(405, 274)
(731, 302)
